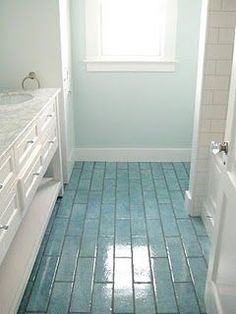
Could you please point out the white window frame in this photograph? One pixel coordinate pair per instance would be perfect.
(96, 63)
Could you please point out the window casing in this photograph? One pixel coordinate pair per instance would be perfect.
(131, 35)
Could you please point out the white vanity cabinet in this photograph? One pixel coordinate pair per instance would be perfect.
(30, 182)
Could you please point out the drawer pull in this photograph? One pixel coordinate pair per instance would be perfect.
(30, 142)
(50, 115)
(4, 227)
(52, 142)
(36, 174)
(1, 186)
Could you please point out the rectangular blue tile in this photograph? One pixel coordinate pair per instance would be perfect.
(110, 170)
(81, 296)
(107, 223)
(189, 238)
(74, 180)
(60, 299)
(180, 170)
(109, 191)
(104, 262)
(137, 211)
(39, 257)
(150, 203)
(41, 291)
(102, 298)
(122, 205)
(122, 180)
(135, 193)
(199, 226)
(89, 238)
(178, 264)
(97, 180)
(144, 299)
(186, 298)
(163, 286)
(187, 166)
(78, 164)
(205, 246)
(75, 228)
(99, 165)
(199, 275)
(147, 182)
(68, 259)
(122, 165)
(81, 196)
(168, 220)
(123, 238)
(134, 173)
(167, 165)
(178, 204)
(123, 287)
(25, 299)
(138, 228)
(88, 166)
(141, 264)
(78, 212)
(94, 204)
(157, 170)
(171, 180)
(53, 216)
(66, 204)
(56, 238)
(156, 239)
(184, 184)
(144, 165)
(162, 191)
(84, 184)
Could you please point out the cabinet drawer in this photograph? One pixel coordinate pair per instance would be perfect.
(10, 219)
(29, 181)
(49, 146)
(26, 146)
(46, 118)
(7, 173)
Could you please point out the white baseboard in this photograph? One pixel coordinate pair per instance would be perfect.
(132, 154)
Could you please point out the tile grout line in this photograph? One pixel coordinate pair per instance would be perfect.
(98, 232)
(185, 256)
(148, 240)
(114, 249)
(77, 262)
(195, 232)
(164, 238)
(131, 241)
(25, 308)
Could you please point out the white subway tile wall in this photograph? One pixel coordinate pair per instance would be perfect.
(218, 63)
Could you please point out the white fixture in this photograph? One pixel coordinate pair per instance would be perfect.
(30, 182)
(220, 207)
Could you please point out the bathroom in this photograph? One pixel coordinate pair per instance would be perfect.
(117, 158)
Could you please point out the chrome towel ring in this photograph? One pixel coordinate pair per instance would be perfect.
(31, 76)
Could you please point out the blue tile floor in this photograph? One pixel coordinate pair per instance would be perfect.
(120, 241)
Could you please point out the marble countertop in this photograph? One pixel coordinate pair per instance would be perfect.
(15, 118)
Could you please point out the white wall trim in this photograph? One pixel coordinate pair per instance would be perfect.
(130, 66)
(132, 154)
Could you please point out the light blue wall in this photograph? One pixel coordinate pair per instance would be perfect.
(145, 110)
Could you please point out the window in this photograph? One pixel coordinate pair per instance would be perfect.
(130, 35)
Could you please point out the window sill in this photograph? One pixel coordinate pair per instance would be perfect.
(130, 66)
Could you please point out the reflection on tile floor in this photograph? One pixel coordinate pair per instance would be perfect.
(120, 241)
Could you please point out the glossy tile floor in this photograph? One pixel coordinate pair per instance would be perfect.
(120, 241)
